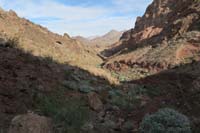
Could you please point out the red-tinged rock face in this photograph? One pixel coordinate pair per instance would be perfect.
(169, 16)
(147, 33)
(168, 32)
(187, 51)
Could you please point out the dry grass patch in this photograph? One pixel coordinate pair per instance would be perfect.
(102, 73)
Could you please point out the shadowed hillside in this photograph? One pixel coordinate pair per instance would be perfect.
(29, 83)
(181, 85)
(55, 84)
(24, 77)
(39, 41)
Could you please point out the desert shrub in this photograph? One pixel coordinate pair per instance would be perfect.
(69, 115)
(123, 100)
(132, 98)
(48, 59)
(198, 25)
(151, 91)
(12, 42)
(118, 76)
(165, 121)
(122, 78)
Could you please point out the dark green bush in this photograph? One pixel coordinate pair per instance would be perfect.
(132, 98)
(165, 121)
(126, 101)
(69, 115)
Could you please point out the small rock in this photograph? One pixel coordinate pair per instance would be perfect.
(85, 89)
(87, 126)
(94, 101)
(196, 86)
(110, 107)
(71, 85)
(66, 36)
(101, 114)
(128, 125)
(110, 124)
(13, 13)
(31, 123)
(143, 103)
(3, 41)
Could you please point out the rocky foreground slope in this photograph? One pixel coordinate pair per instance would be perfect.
(37, 68)
(40, 92)
(37, 84)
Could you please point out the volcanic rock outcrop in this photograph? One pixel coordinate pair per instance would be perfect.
(167, 35)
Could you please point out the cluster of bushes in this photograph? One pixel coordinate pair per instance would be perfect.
(165, 121)
(68, 114)
(132, 98)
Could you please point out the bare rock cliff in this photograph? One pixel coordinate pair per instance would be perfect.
(167, 35)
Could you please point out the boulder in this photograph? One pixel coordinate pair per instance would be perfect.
(31, 123)
(94, 101)
(196, 86)
(66, 36)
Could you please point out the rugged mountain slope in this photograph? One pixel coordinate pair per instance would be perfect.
(36, 65)
(84, 40)
(41, 42)
(163, 50)
(102, 41)
(31, 80)
(108, 39)
(166, 36)
(76, 100)
(25, 79)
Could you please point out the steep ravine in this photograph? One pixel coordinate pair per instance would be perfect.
(51, 83)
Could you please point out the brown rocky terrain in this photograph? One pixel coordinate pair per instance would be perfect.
(107, 39)
(35, 62)
(52, 83)
(41, 42)
(101, 42)
(163, 50)
(167, 35)
(26, 80)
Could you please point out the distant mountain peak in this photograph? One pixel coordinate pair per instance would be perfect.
(111, 31)
(105, 40)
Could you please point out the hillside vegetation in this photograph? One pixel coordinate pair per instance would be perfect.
(146, 82)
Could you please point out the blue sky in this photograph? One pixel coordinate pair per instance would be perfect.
(79, 17)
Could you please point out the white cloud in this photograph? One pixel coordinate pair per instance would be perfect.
(131, 5)
(95, 27)
(52, 9)
(78, 20)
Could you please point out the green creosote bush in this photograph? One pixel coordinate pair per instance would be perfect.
(165, 121)
(123, 100)
(68, 115)
(132, 98)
